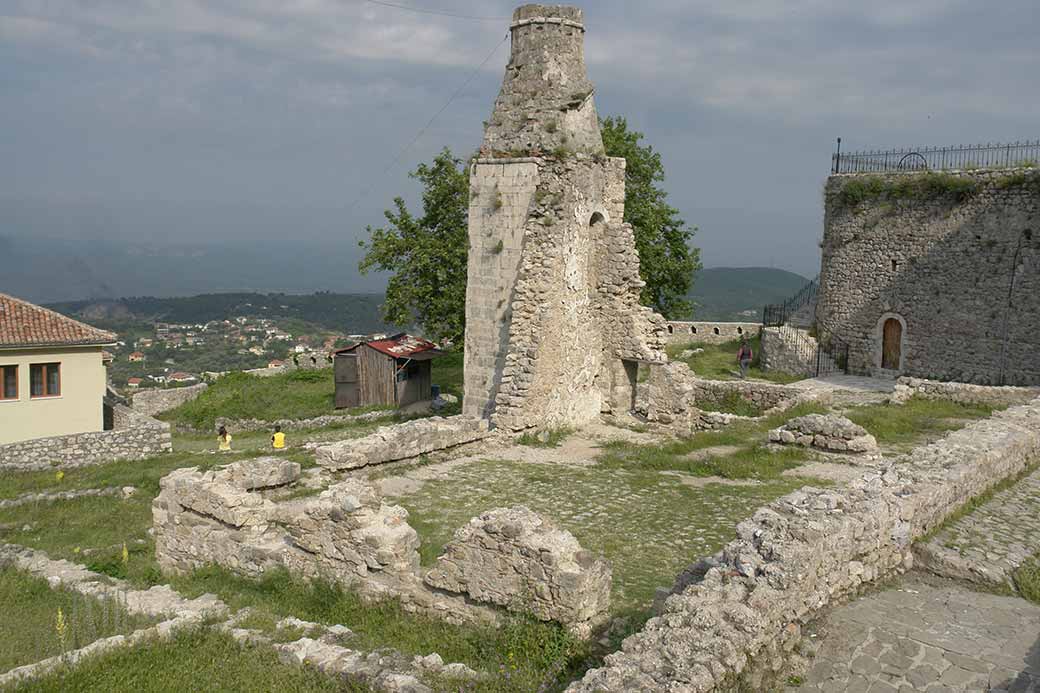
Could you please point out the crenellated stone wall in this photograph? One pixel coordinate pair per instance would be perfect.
(680, 332)
(134, 437)
(952, 259)
(735, 612)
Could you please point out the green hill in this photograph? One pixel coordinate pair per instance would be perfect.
(738, 293)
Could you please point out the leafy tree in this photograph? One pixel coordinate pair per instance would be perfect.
(426, 254)
(667, 262)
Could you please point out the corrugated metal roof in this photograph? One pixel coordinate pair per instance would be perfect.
(400, 346)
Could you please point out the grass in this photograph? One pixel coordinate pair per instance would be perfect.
(526, 648)
(548, 438)
(193, 660)
(911, 187)
(1027, 579)
(30, 631)
(719, 361)
(918, 418)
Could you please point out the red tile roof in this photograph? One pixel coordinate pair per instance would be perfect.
(26, 324)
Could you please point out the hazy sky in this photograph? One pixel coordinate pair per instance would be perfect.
(200, 120)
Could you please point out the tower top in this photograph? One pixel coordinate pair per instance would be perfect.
(546, 101)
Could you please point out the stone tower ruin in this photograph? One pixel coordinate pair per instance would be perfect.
(554, 328)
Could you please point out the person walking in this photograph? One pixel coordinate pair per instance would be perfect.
(223, 440)
(744, 356)
(278, 439)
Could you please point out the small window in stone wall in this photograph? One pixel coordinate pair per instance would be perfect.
(715, 330)
(693, 329)
(740, 330)
(895, 265)
(670, 329)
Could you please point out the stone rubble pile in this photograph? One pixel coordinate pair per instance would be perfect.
(805, 550)
(829, 432)
(517, 559)
(349, 534)
(402, 441)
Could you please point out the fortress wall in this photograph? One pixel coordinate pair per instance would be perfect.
(682, 332)
(960, 271)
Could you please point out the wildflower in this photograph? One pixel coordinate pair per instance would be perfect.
(61, 627)
(59, 475)
(126, 554)
(75, 550)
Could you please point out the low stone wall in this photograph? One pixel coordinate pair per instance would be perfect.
(156, 401)
(134, 437)
(673, 393)
(349, 534)
(781, 355)
(963, 393)
(804, 551)
(240, 425)
(710, 332)
(401, 441)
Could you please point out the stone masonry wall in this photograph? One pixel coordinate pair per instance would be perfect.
(961, 273)
(401, 441)
(156, 401)
(710, 332)
(784, 355)
(553, 299)
(962, 392)
(133, 437)
(805, 551)
(350, 535)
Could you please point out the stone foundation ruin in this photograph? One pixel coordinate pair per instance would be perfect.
(510, 558)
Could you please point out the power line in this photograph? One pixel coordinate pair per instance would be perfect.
(439, 13)
(404, 150)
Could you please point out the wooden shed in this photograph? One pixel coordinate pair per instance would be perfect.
(393, 371)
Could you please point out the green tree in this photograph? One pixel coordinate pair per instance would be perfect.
(667, 261)
(426, 255)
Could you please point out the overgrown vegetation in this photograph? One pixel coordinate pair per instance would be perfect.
(193, 660)
(1027, 579)
(719, 361)
(525, 649)
(547, 438)
(732, 403)
(39, 622)
(917, 418)
(911, 187)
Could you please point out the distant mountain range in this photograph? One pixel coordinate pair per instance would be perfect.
(738, 293)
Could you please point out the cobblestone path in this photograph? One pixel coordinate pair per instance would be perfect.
(987, 545)
(928, 635)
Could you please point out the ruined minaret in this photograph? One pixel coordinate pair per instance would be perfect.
(554, 328)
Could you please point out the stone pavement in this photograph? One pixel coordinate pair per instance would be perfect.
(990, 543)
(926, 634)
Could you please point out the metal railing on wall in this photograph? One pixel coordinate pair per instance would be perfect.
(963, 157)
(776, 314)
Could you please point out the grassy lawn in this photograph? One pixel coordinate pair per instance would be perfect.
(719, 361)
(195, 660)
(526, 647)
(1027, 579)
(902, 426)
(31, 631)
(300, 394)
(259, 442)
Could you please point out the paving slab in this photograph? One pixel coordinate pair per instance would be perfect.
(987, 545)
(925, 634)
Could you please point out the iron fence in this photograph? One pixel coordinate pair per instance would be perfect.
(963, 157)
(776, 314)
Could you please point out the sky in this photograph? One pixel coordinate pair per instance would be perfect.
(166, 122)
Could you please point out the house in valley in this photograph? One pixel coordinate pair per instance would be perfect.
(394, 371)
(52, 373)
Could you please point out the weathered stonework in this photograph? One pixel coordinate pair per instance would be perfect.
(401, 441)
(961, 277)
(514, 553)
(680, 332)
(828, 432)
(963, 393)
(789, 350)
(805, 551)
(239, 425)
(134, 437)
(350, 535)
(154, 401)
(552, 304)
